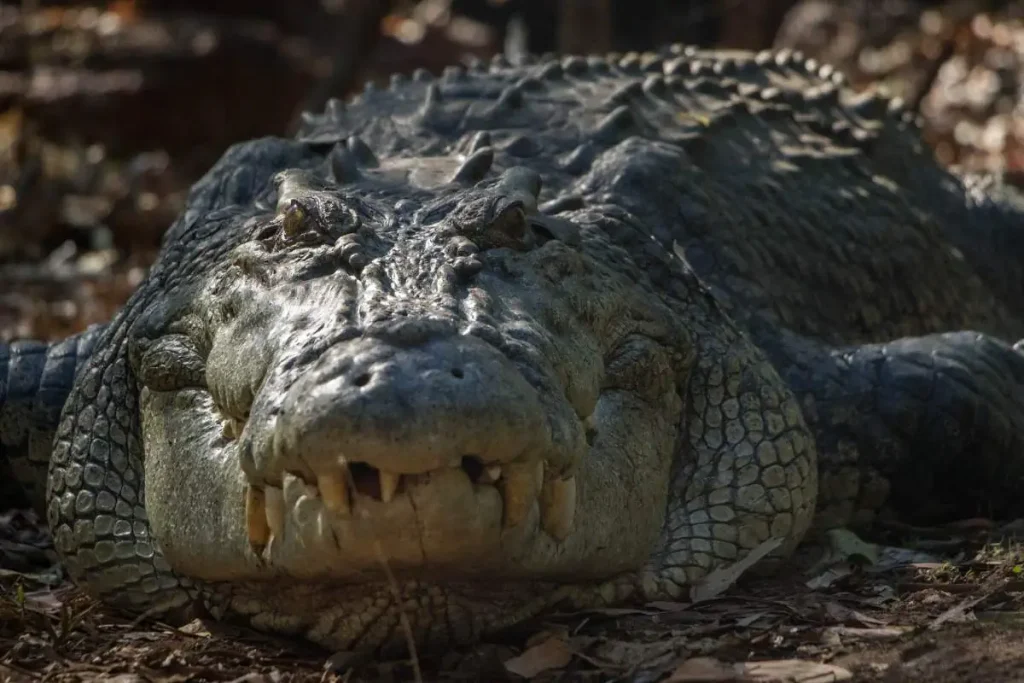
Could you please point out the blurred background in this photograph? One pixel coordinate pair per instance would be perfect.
(109, 111)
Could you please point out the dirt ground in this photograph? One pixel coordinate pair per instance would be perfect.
(905, 617)
(84, 197)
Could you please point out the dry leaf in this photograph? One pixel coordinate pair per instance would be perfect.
(830, 576)
(670, 607)
(748, 620)
(257, 678)
(848, 633)
(890, 558)
(842, 614)
(710, 670)
(792, 671)
(43, 601)
(553, 653)
(718, 581)
(703, 670)
(196, 627)
(616, 612)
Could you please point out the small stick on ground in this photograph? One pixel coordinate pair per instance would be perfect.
(403, 618)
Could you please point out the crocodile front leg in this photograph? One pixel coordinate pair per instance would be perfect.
(930, 427)
(35, 380)
(96, 491)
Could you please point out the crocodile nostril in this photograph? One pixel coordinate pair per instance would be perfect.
(362, 380)
(457, 373)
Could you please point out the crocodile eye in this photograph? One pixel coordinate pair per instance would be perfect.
(509, 228)
(511, 222)
(295, 219)
(315, 219)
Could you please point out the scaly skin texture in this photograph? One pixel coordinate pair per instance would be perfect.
(575, 332)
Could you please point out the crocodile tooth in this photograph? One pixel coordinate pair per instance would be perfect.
(273, 499)
(256, 517)
(293, 486)
(310, 520)
(492, 473)
(522, 484)
(388, 484)
(230, 428)
(558, 506)
(334, 491)
(301, 500)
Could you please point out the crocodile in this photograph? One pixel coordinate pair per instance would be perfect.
(564, 333)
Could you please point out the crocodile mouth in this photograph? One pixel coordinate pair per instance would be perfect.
(442, 451)
(332, 480)
(315, 505)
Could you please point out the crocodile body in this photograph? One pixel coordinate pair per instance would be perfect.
(573, 332)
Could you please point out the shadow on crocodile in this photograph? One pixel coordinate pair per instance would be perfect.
(571, 333)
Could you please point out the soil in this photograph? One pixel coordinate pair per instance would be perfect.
(958, 619)
(116, 112)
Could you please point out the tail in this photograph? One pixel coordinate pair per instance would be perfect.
(35, 380)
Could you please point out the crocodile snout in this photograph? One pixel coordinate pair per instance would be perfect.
(411, 409)
(445, 432)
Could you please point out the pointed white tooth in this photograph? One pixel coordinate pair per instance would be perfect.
(294, 488)
(492, 473)
(302, 503)
(274, 502)
(256, 517)
(333, 487)
(522, 485)
(308, 513)
(558, 507)
(322, 539)
(388, 485)
(231, 428)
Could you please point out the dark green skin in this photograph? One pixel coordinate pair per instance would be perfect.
(689, 307)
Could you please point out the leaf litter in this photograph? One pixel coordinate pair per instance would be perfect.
(870, 624)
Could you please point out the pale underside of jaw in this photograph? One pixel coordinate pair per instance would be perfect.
(316, 507)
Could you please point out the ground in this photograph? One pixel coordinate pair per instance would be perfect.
(82, 206)
(955, 620)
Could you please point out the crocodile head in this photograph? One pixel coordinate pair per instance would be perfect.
(392, 397)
